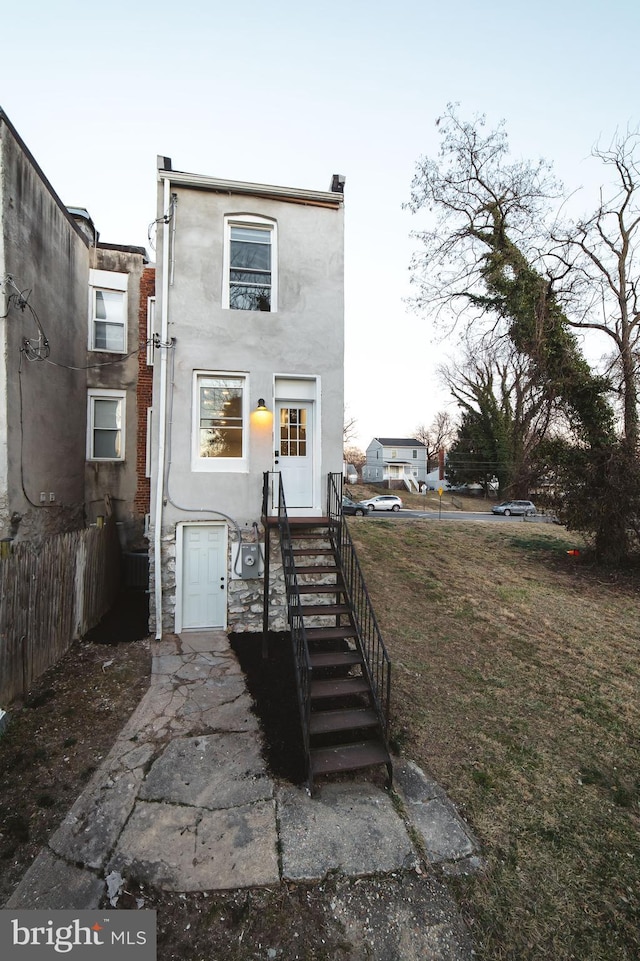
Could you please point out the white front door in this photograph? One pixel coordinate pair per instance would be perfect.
(294, 451)
(204, 576)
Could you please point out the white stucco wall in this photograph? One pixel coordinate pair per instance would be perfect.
(303, 338)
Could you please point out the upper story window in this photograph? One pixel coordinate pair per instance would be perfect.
(220, 422)
(250, 267)
(108, 311)
(151, 326)
(415, 454)
(105, 425)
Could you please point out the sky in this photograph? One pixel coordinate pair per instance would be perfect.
(290, 93)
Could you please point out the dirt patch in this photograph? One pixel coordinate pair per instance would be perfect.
(59, 734)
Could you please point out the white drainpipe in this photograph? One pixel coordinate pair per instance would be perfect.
(162, 412)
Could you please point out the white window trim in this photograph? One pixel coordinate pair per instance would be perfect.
(95, 394)
(108, 280)
(249, 220)
(148, 448)
(151, 314)
(239, 465)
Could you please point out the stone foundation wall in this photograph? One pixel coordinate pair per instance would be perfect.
(244, 603)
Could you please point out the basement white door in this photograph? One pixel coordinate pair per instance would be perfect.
(294, 452)
(204, 576)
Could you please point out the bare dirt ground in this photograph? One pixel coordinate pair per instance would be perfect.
(58, 735)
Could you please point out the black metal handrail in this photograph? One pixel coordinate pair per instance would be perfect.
(301, 658)
(377, 662)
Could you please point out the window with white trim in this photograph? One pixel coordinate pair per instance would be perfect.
(250, 264)
(148, 448)
(151, 325)
(220, 429)
(106, 425)
(108, 311)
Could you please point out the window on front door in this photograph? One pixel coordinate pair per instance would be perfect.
(293, 431)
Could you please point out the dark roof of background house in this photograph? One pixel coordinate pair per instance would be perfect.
(399, 441)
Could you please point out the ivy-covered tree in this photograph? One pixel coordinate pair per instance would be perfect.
(489, 256)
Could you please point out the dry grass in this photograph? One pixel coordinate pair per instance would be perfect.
(516, 685)
(423, 502)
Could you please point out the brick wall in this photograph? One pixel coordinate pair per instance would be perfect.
(144, 393)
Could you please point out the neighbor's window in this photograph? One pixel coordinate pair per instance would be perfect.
(105, 425)
(108, 311)
(249, 282)
(151, 326)
(220, 434)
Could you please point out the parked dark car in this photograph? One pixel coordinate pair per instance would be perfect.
(514, 507)
(350, 507)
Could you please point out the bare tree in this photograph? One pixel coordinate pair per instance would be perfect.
(493, 258)
(353, 455)
(508, 411)
(438, 436)
(602, 252)
(349, 429)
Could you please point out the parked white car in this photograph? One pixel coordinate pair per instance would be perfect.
(383, 502)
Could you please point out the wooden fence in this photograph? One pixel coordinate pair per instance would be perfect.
(49, 596)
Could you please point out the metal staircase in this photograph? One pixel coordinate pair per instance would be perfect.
(343, 671)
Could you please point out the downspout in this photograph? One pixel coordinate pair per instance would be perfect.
(162, 413)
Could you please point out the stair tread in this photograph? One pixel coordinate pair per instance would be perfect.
(311, 609)
(348, 757)
(311, 551)
(339, 687)
(317, 569)
(334, 658)
(323, 722)
(330, 633)
(321, 589)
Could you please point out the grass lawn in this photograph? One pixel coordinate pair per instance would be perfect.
(516, 685)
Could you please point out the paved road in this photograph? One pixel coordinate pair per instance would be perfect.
(465, 516)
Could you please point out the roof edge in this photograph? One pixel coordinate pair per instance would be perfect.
(324, 198)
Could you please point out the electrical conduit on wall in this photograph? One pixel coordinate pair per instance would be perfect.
(162, 413)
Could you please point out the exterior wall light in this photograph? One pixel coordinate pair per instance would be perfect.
(261, 404)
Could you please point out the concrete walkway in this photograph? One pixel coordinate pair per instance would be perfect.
(184, 802)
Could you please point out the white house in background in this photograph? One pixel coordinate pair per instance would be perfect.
(248, 381)
(396, 461)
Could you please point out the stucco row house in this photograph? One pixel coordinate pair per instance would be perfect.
(248, 383)
(75, 380)
(202, 403)
(246, 530)
(173, 411)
